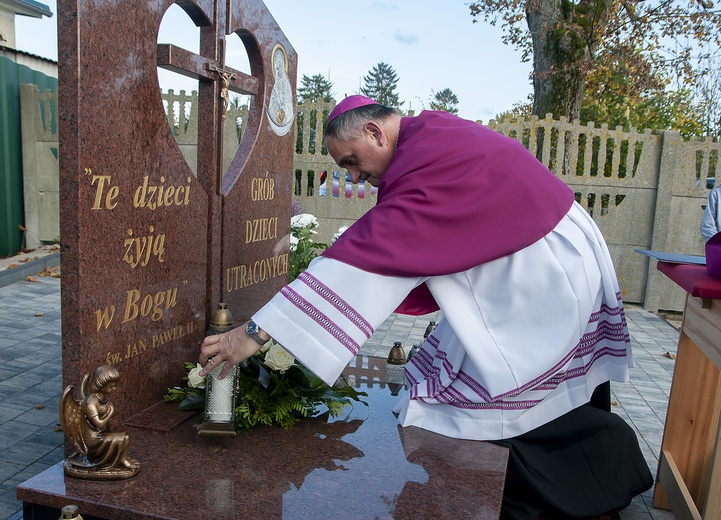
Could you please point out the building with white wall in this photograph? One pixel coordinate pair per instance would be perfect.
(9, 9)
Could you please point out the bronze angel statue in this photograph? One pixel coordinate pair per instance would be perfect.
(99, 454)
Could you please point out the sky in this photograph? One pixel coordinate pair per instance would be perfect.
(431, 44)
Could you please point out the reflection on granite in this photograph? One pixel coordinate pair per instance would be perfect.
(360, 466)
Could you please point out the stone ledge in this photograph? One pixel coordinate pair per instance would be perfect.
(30, 268)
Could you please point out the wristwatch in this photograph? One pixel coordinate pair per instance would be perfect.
(251, 329)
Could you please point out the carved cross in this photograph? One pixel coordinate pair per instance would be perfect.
(215, 81)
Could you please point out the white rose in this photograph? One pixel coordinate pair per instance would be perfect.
(278, 358)
(266, 346)
(293, 243)
(194, 380)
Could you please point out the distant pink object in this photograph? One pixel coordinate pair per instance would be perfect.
(350, 103)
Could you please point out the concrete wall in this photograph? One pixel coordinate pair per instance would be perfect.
(41, 179)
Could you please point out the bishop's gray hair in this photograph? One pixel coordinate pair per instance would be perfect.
(349, 124)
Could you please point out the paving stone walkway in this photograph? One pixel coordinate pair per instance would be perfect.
(30, 383)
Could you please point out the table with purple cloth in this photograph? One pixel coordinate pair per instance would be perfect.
(689, 472)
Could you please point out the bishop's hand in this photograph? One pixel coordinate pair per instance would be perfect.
(229, 348)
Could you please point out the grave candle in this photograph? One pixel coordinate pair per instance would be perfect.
(219, 418)
(220, 398)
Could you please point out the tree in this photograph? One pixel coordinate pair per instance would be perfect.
(630, 90)
(520, 110)
(315, 88)
(708, 96)
(611, 96)
(444, 100)
(565, 37)
(380, 85)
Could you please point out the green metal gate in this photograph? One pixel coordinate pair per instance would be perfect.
(11, 172)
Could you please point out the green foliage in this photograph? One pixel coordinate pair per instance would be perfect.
(299, 122)
(708, 99)
(296, 393)
(380, 84)
(314, 89)
(186, 395)
(571, 41)
(290, 395)
(631, 90)
(444, 100)
(519, 111)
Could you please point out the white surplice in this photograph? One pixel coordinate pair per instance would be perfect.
(524, 338)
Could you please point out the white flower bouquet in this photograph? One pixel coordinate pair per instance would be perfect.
(303, 249)
(276, 390)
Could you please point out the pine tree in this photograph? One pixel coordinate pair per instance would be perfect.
(444, 100)
(380, 85)
(315, 88)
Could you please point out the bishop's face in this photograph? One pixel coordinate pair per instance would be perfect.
(366, 156)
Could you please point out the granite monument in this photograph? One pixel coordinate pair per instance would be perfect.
(149, 250)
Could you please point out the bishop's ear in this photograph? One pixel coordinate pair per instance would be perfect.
(373, 131)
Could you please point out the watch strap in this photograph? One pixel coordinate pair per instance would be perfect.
(251, 329)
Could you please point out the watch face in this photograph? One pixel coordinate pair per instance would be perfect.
(251, 328)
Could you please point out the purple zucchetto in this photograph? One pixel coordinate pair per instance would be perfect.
(349, 103)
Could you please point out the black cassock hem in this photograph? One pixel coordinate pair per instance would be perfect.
(584, 464)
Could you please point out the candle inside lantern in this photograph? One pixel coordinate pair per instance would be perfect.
(219, 418)
(220, 398)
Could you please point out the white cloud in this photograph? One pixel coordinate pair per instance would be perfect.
(406, 38)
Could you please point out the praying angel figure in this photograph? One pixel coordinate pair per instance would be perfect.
(100, 454)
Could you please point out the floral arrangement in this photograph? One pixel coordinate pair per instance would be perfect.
(303, 250)
(275, 390)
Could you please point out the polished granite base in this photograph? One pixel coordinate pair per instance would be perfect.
(360, 466)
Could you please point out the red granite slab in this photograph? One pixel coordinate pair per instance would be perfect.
(148, 248)
(364, 466)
